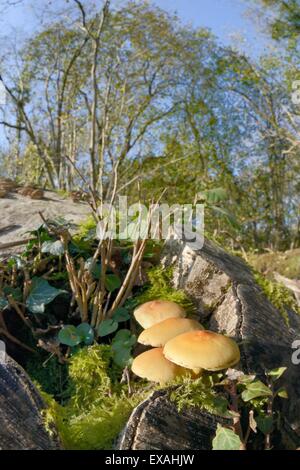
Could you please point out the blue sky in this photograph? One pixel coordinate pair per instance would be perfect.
(226, 18)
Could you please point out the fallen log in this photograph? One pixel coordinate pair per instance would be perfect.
(21, 422)
(226, 296)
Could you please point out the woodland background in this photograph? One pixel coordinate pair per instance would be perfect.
(132, 101)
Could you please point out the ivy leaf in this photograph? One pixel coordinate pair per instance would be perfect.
(276, 373)
(112, 282)
(123, 339)
(246, 379)
(3, 303)
(121, 314)
(122, 357)
(54, 248)
(122, 346)
(264, 423)
(15, 292)
(226, 439)
(254, 390)
(282, 393)
(41, 294)
(221, 405)
(69, 335)
(86, 333)
(107, 327)
(96, 271)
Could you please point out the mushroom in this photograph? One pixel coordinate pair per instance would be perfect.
(152, 365)
(155, 311)
(160, 333)
(202, 349)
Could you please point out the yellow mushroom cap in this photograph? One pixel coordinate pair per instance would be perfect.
(202, 349)
(155, 311)
(152, 365)
(160, 333)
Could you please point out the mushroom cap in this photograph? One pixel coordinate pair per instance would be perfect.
(204, 349)
(155, 311)
(153, 365)
(160, 333)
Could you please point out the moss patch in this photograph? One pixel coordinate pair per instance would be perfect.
(99, 405)
(160, 287)
(281, 297)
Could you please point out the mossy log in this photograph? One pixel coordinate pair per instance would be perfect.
(21, 423)
(227, 297)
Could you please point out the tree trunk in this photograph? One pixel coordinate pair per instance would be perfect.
(21, 423)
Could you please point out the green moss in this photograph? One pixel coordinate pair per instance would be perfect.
(281, 297)
(87, 227)
(160, 287)
(99, 406)
(199, 393)
(48, 373)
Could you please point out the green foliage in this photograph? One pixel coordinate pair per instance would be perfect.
(87, 228)
(112, 282)
(41, 294)
(122, 345)
(286, 263)
(281, 297)
(107, 327)
(232, 395)
(99, 406)
(255, 389)
(199, 393)
(73, 336)
(55, 248)
(226, 439)
(160, 287)
(51, 376)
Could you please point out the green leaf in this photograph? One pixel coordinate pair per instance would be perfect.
(121, 346)
(123, 339)
(122, 357)
(54, 248)
(226, 439)
(282, 393)
(3, 303)
(121, 314)
(221, 406)
(96, 271)
(69, 335)
(213, 196)
(41, 294)
(276, 373)
(254, 390)
(264, 423)
(246, 379)
(86, 333)
(112, 282)
(15, 292)
(107, 327)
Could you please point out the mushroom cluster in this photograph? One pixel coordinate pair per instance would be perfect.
(181, 345)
